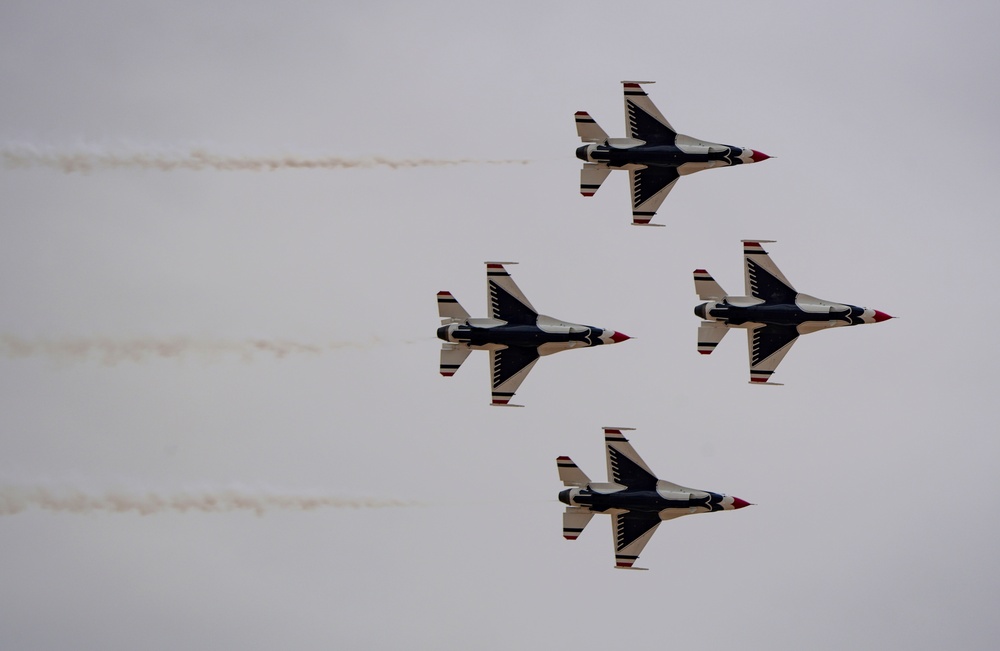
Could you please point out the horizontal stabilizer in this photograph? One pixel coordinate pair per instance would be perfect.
(452, 356)
(450, 310)
(570, 474)
(706, 287)
(710, 333)
(575, 520)
(588, 129)
(591, 178)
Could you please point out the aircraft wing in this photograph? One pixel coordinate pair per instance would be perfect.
(510, 366)
(763, 278)
(650, 186)
(768, 345)
(506, 300)
(625, 466)
(632, 530)
(642, 119)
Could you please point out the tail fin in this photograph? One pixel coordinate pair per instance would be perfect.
(570, 474)
(588, 129)
(706, 286)
(452, 356)
(575, 520)
(449, 310)
(710, 333)
(591, 177)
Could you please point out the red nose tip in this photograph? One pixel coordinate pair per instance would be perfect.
(619, 337)
(758, 156)
(739, 504)
(881, 316)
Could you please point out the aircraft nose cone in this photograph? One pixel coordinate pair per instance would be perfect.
(758, 156)
(739, 504)
(881, 316)
(619, 337)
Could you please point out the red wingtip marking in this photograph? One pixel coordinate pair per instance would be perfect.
(746, 244)
(701, 271)
(444, 293)
(582, 113)
(758, 156)
(881, 316)
(587, 194)
(563, 459)
(758, 379)
(705, 352)
(632, 86)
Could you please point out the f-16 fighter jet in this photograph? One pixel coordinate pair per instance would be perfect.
(515, 334)
(774, 314)
(654, 154)
(634, 497)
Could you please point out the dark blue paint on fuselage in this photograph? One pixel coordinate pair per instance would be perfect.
(641, 501)
(525, 336)
(656, 156)
(780, 314)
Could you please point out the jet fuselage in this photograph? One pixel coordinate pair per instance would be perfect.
(784, 314)
(704, 155)
(647, 501)
(525, 335)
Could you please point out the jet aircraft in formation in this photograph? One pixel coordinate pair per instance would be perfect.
(773, 313)
(515, 334)
(636, 500)
(654, 154)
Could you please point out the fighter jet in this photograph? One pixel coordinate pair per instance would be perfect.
(654, 154)
(774, 314)
(634, 497)
(515, 334)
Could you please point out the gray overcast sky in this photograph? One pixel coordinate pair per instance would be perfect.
(873, 469)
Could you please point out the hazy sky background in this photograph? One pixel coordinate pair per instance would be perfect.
(873, 471)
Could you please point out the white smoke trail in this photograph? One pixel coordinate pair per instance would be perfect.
(111, 351)
(17, 499)
(83, 161)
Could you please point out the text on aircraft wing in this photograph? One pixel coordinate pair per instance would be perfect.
(509, 368)
(625, 466)
(642, 119)
(762, 277)
(768, 345)
(506, 300)
(631, 531)
(650, 186)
